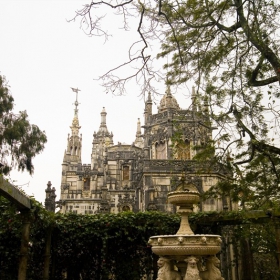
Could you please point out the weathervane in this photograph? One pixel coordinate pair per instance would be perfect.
(76, 102)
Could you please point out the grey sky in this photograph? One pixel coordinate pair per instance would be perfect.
(42, 56)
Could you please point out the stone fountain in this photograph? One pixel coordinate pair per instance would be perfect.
(185, 255)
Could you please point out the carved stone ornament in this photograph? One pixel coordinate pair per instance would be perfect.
(192, 272)
(166, 270)
(212, 271)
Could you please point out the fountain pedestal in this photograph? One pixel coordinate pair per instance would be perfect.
(182, 255)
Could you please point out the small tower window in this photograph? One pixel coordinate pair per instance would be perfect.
(160, 150)
(86, 184)
(183, 151)
(125, 173)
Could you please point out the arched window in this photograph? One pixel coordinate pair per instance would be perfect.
(160, 150)
(183, 150)
(125, 208)
(86, 184)
(125, 173)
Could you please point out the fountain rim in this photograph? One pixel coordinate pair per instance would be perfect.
(184, 235)
(183, 192)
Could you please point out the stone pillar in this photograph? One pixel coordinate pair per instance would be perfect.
(247, 259)
(277, 233)
(24, 244)
(47, 254)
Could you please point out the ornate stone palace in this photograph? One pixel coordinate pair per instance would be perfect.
(137, 177)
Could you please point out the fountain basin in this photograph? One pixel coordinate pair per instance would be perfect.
(183, 197)
(179, 245)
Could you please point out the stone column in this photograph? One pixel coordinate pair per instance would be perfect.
(47, 254)
(24, 244)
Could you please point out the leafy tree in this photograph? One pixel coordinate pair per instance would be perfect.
(20, 141)
(230, 50)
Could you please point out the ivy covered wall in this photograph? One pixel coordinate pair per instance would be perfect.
(88, 246)
(115, 246)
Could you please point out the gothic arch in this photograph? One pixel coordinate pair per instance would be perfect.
(182, 150)
(160, 149)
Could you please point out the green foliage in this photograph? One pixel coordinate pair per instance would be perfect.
(93, 246)
(262, 246)
(231, 50)
(255, 187)
(109, 244)
(10, 239)
(106, 245)
(20, 141)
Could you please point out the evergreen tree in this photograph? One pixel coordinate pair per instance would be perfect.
(20, 141)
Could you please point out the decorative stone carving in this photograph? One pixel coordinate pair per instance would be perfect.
(152, 207)
(212, 271)
(166, 270)
(126, 202)
(192, 272)
(186, 245)
(183, 245)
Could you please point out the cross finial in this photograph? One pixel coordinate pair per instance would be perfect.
(76, 102)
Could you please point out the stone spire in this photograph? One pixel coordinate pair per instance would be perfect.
(139, 140)
(194, 99)
(103, 127)
(101, 140)
(74, 142)
(148, 108)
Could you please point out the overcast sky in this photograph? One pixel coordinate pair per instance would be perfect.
(42, 55)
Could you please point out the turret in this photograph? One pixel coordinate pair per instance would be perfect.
(50, 198)
(139, 140)
(148, 108)
(102, 139)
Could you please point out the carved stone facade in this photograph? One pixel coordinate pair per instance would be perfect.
(138, 177)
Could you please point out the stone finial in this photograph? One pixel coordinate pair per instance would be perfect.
(50, 198)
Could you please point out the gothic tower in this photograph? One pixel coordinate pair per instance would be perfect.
(72, 156)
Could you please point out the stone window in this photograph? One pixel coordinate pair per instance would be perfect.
(86, 184)
(125, 208)
(210, 204)
(160, 150)
(125, 173)
(183, 151)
